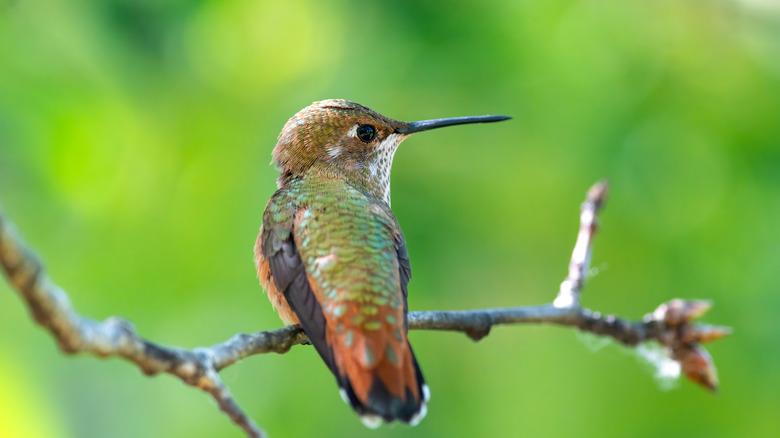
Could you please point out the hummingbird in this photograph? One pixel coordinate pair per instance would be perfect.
(332, 258)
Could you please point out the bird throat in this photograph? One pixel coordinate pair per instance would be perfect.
(380, 164)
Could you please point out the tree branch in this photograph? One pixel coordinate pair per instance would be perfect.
(671, 324)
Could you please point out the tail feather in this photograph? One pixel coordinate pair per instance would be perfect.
(382, 404)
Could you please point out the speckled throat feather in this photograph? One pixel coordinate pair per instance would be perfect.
(380, 165)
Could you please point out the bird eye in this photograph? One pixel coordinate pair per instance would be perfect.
(366, 133)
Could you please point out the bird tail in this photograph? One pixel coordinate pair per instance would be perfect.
(393, 390)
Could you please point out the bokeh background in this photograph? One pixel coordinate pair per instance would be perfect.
(135, 140)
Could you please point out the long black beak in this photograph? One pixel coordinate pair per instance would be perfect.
(425, 125)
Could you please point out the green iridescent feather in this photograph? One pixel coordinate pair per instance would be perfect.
(348, 243)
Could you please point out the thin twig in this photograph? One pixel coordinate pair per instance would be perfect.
(670, 324)
(569, 292)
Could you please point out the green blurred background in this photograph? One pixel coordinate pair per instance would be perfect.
(135, 137)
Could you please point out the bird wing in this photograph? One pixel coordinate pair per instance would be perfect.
(282, 272)
(340, 260)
